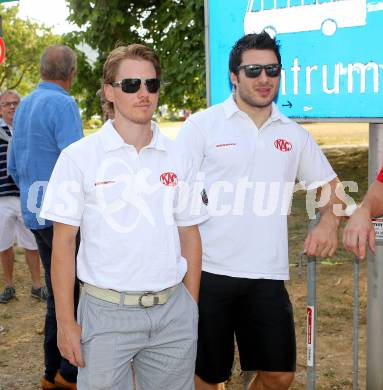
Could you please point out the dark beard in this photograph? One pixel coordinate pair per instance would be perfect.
(248, 100)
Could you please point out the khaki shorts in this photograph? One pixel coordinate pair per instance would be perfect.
(159, 344)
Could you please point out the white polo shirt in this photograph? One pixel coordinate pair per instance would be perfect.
(249, 175)
(127, 205)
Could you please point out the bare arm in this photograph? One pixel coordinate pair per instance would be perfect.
(323, 239)
(359, 229)
(63, 278)
(191, 250)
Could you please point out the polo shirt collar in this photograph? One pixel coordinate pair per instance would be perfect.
(111, 140)
(230, 108)
(276, 115)
(49, 85)
(158, 140)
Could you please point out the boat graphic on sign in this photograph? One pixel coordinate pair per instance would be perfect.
(287, 16)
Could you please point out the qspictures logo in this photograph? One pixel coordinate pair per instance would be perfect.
(117, 191)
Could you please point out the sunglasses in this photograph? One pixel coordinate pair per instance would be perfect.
(254, 70)
(133, 85)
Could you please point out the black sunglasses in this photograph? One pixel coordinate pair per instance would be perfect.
(133, 85)
(254, 70)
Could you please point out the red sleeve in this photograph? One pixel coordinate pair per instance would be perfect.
(380, 176)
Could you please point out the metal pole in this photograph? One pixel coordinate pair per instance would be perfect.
(374, 377)
(355, 372)
(207, 53)
(311, 319)
(311, 314)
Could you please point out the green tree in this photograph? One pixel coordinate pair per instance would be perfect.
(88, 77)
(24, 41)
(174, 28)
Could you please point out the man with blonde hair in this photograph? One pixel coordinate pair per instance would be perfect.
(11, 222)
(140, 253)
(46, 122)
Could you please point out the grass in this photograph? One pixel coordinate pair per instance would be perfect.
(325, 134)
(330, 134)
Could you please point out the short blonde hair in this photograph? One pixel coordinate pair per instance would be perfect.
(121, 53)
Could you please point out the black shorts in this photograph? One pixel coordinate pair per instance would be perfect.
(258, 312)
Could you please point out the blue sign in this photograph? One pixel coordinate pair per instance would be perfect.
(331, 52)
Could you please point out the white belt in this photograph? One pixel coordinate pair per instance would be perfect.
(144, 299)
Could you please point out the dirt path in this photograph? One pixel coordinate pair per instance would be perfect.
(21, 322)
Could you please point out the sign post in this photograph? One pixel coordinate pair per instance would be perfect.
(374, 377)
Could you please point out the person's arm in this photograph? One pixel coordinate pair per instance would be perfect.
(190, 139)
(63, 279)
(191, 250)
(359, 230)
(323, 239)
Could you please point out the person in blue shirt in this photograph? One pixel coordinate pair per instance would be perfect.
(46, 121)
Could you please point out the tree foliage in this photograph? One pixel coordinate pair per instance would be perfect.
(174, 28)
(24, 41)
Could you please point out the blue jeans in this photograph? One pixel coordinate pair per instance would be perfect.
(52, 357)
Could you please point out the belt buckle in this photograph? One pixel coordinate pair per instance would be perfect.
(152, 301)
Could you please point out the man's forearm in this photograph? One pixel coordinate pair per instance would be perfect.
(329, 210)
(373, 200)
(323, 239)
(63, 275)
(191, 250)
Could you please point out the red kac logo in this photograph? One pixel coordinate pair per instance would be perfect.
(283, 145)
(169, 179)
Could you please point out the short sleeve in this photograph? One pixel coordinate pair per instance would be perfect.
(64, 198)
(191, 140)
(314, 170)
(189, 205)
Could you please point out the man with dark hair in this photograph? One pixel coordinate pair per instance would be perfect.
(250, 155)
(46, 122)
(11, 222)
(140, 255)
